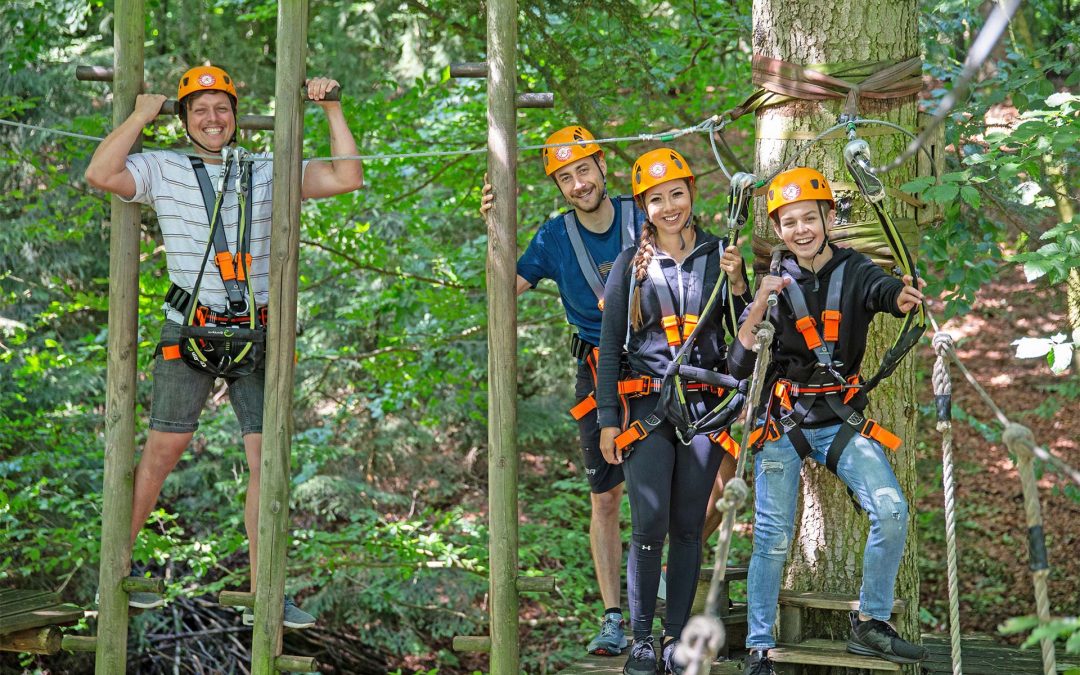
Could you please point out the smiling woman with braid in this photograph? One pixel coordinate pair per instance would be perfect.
(653, 300)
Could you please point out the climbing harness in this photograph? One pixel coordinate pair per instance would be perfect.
(230, 343)
(585, 260)
(681, 389)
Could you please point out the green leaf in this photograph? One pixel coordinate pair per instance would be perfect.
(970, 195)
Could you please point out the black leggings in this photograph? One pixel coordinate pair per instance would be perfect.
(668, 484)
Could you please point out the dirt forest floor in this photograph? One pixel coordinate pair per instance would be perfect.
(995, 582)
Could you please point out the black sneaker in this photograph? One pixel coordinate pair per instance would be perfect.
(668, 658)
(759, 663)
(877, 638)
(642, 659)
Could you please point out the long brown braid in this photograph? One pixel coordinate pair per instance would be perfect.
(646, 251)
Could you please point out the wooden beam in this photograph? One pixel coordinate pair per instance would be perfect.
(472, 643)
(44, 640)
(291, 53)
(128, 37)
(79, 643)
(502, 335)
(296, 664)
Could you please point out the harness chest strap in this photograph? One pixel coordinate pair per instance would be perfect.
(585, 261)
(678, 325)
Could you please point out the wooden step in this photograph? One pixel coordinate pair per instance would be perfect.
(836, 601)
(828, 653)
(732, 573)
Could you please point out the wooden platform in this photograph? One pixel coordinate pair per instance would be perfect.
(981, 655)
(613, 665)
(28, 620)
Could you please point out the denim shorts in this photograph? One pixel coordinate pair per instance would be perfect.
(180, 393)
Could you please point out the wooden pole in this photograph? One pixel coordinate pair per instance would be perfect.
(120, 377)
(281, 338)
(502, 335)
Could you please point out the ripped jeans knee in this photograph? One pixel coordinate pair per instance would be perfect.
(889, 511)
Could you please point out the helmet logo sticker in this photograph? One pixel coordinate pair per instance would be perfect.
(658, 169)
(562, 154)
(206, 80)
(791, 191)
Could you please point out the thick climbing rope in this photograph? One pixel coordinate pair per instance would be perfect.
(1040, 452)
(1020, 442)
(943, 344)
(704, 633)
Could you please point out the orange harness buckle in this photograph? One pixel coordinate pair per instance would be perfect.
(634, 432)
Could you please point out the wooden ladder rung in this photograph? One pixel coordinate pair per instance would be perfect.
(835, 601)
(828, 653)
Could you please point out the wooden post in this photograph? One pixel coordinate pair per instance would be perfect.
(281, 338)
(120, 378)
(502, 334)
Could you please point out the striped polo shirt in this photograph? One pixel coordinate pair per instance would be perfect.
(165, 181)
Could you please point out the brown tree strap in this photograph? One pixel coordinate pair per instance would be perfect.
(781, 81)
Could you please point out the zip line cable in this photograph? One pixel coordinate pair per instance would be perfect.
(709, 125)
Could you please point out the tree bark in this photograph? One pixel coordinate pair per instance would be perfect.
(830, 534)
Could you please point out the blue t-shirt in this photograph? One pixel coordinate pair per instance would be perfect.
(551, 256)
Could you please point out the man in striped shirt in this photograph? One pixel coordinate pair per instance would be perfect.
(167, 182)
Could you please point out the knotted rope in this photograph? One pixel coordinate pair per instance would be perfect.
(704, 634)
(943, 345)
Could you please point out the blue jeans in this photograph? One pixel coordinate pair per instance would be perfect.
(864, 468)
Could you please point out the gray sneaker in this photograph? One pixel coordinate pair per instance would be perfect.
(612, 640)
(877, 638)
(294, 617)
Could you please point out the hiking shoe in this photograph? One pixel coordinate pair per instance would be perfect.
(642, 659)
(294, 617)
(877, 638)
(668, 658)
(758, 663)
(611, 640)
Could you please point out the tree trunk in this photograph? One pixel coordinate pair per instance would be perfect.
(816, 33)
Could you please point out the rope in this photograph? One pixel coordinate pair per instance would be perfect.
(710, 125)
(1020, 440)
(1058, 463)
(704, 633)
(943, 344)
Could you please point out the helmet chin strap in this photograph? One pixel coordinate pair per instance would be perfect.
(824, 229)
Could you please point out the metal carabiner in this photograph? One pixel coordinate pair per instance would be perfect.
(859, 165)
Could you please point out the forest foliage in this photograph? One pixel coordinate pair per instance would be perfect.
(389, 462)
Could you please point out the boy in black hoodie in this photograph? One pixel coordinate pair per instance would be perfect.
(813, 408)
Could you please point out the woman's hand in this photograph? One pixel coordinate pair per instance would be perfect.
(732, 264)
(612, 455)
(910, 297)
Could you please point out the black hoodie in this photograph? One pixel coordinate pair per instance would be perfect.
(867, 290)
(647, 351)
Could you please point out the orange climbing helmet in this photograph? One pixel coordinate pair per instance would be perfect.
(656, 167)
(800, 184)
(205, 78)
(557, 158)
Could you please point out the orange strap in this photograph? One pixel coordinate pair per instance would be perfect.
(240, 275)
(872, 429)
(170, 352)
(690, 322)
(725, 441)
(781, 392)
(224, 262)
(635, 432)
(584, 407)
(769, 430)
(830, 319)
(671, 330)
(805, 326)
